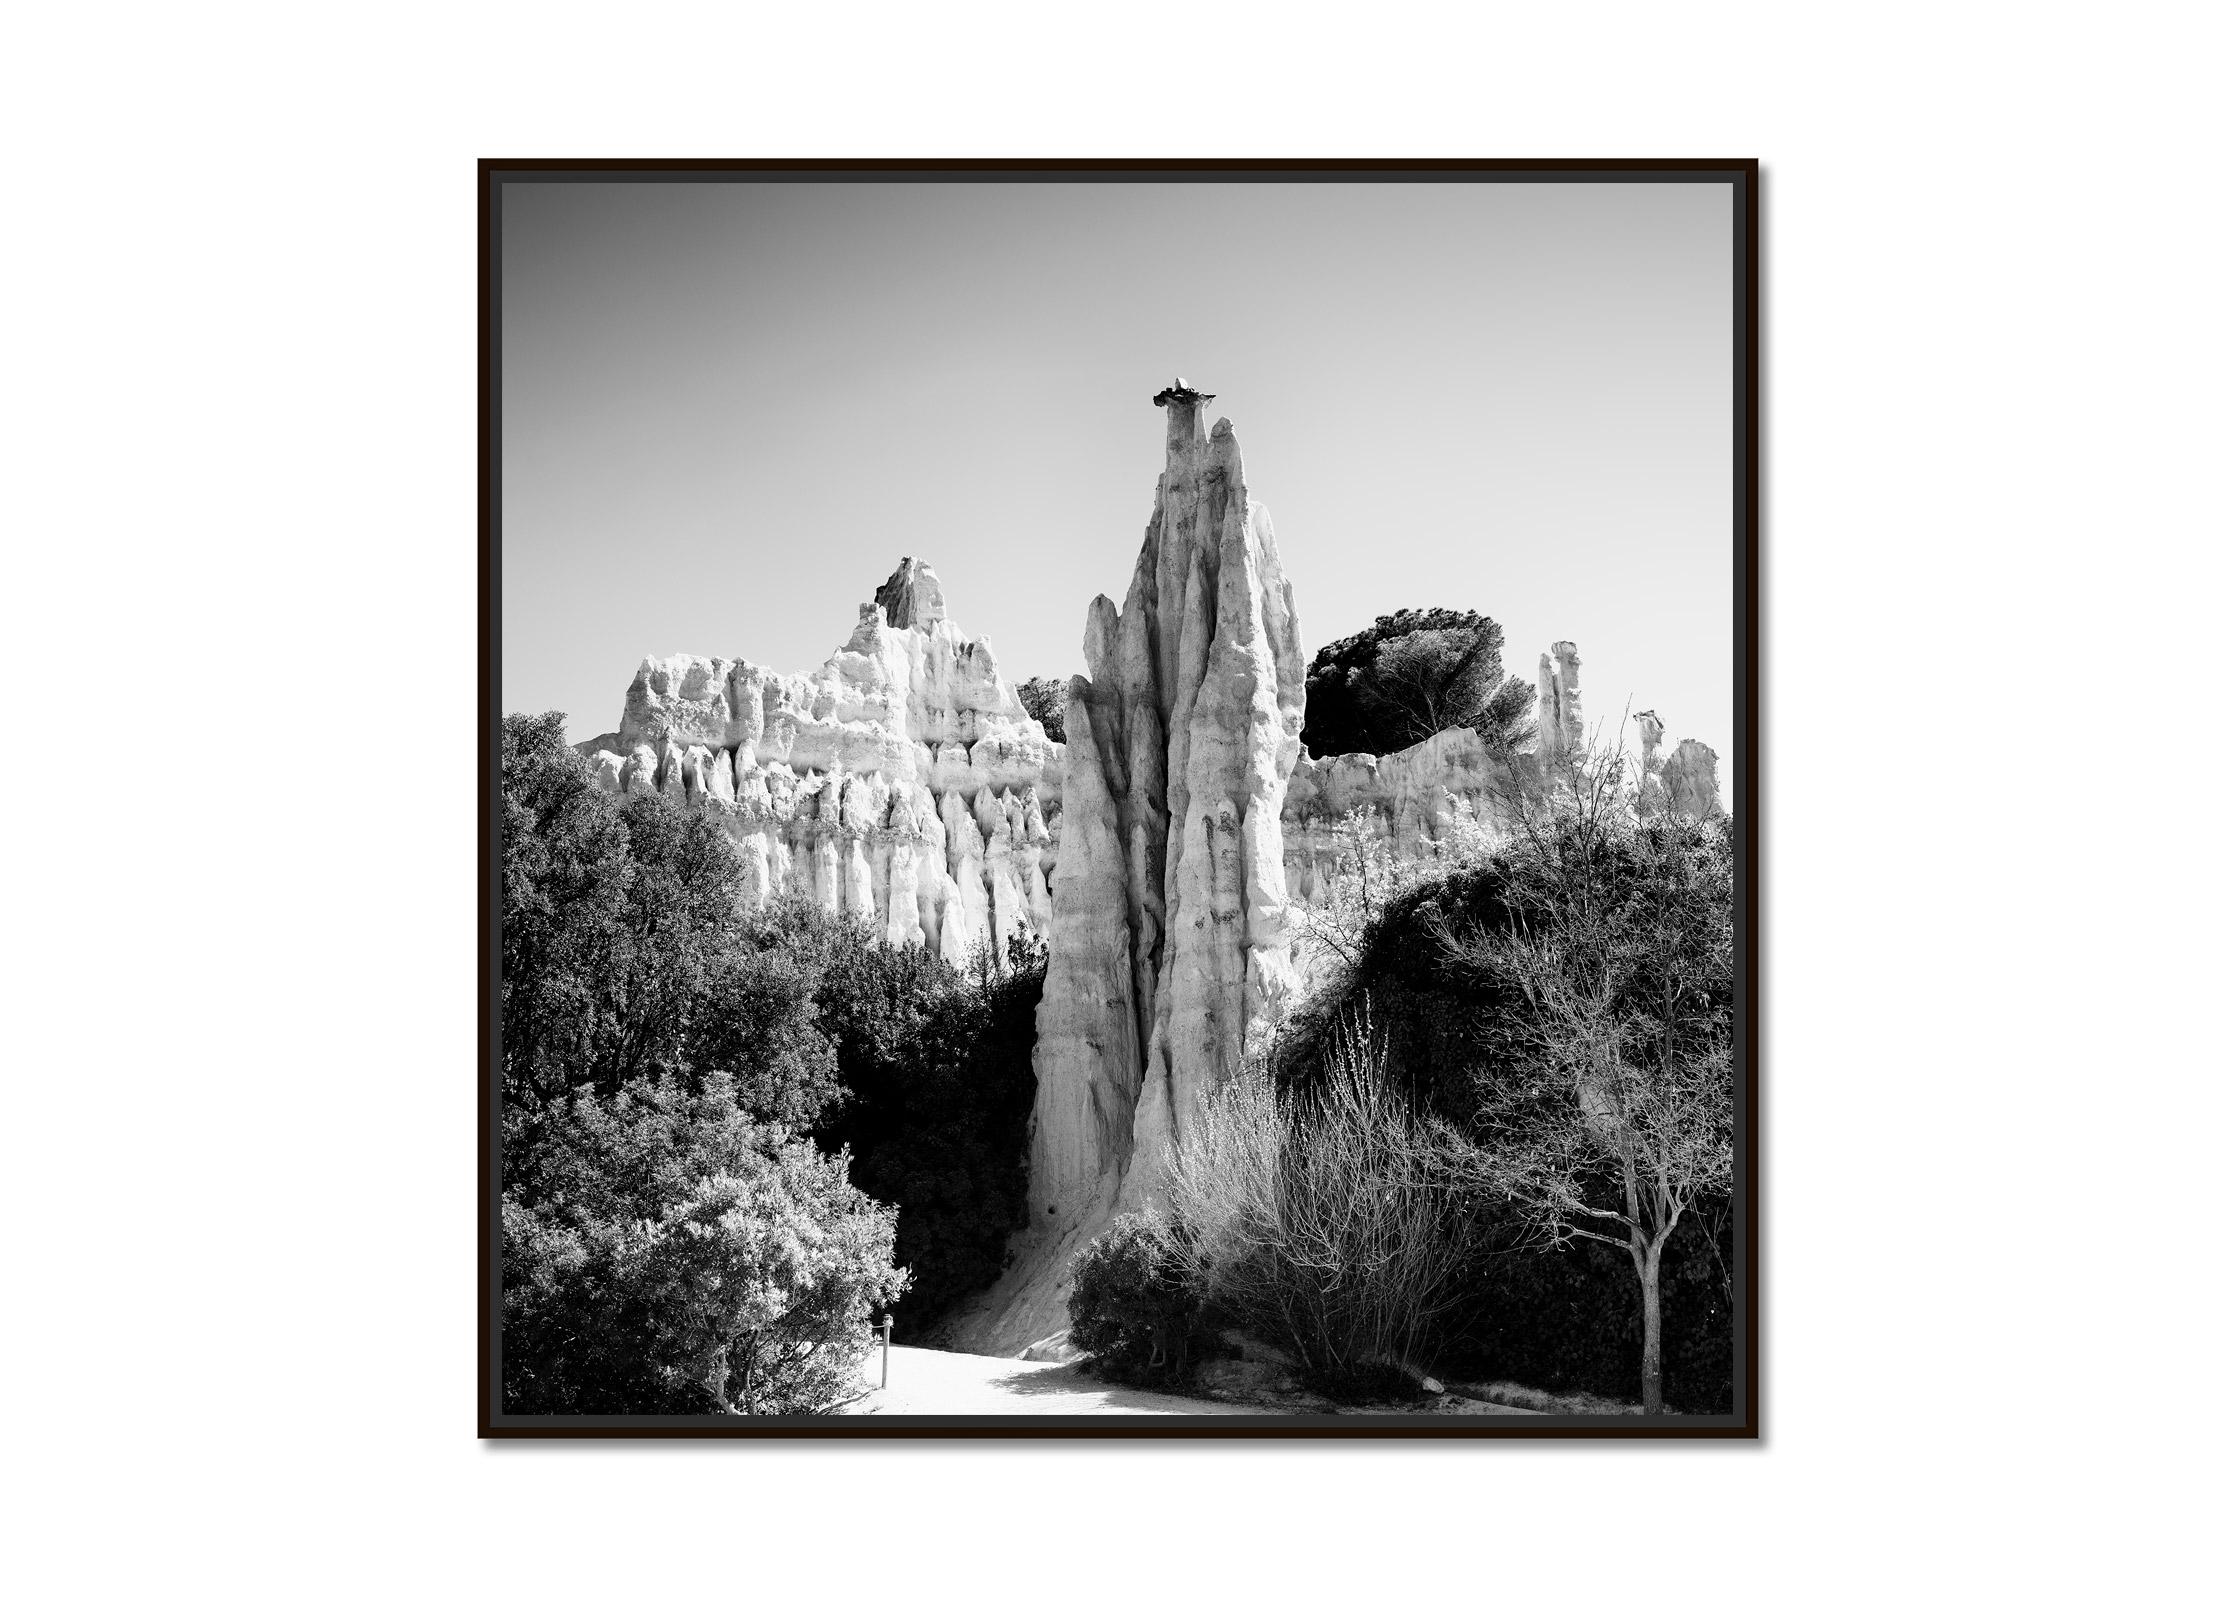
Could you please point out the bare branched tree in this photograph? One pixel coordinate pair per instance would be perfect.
(1616, 1116)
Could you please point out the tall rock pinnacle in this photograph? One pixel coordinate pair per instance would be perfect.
(1169, 939)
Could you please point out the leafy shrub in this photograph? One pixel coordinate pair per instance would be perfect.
(1412, 674)
(1137, 1300)
(666, 1253)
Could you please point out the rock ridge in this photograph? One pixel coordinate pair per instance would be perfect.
(902, 782)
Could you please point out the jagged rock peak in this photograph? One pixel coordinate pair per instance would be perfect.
(1691, 780)
(911, 598)
(1652, 740)
(902, 782)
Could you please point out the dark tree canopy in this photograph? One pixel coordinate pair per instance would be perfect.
(1412, 674)
(938, 1072)
(1045, 700)
(1568, 1319)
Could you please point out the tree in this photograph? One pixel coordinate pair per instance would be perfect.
(1045, 700)
(1412, 674)
(624, 950)
(1617, 1119)
(665, 1252)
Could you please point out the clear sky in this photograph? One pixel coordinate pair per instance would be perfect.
(730, 409)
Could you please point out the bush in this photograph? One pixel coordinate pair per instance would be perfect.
(665, 1253)
(1137, 1301)
(1323, 1225)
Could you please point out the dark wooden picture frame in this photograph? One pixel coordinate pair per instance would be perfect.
(1743, 787)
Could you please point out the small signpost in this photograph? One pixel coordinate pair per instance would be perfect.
(886, 1343)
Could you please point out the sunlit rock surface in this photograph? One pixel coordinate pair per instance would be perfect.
(1169, 928)
(901, 782)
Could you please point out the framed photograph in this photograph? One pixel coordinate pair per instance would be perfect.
(1012, 910)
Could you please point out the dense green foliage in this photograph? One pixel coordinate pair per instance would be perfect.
(1045, 700)
(1415, 672)
(938, 1072)
(665, 1252)
(1137, 1301)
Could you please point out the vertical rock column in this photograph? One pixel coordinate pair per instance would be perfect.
(1239, 694)
(1560, 735)
(1168, 935)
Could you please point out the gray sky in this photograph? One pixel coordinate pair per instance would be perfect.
(730, 409)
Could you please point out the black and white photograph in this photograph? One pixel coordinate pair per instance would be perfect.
(1122, 799)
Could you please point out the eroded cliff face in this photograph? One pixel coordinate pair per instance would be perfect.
(1414, 798)
(1170, 938)
(902, 781)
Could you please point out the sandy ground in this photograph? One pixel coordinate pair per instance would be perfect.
(941, 1383)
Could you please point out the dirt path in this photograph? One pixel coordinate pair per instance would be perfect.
(941, 1383)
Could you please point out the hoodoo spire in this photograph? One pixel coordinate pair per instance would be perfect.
(1169, 942)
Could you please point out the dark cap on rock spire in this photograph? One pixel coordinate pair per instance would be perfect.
(1179, 390)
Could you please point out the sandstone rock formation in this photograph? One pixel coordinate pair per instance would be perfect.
(1169, 935)
(1560, 732)
(1652, 737)
(1685, 783)
(1691, 780)
(902, 781)
(1413, 797)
